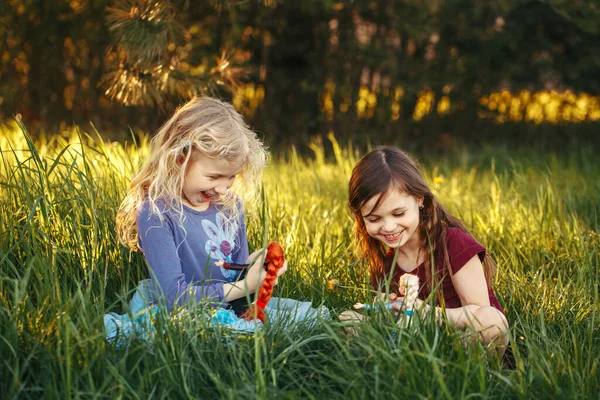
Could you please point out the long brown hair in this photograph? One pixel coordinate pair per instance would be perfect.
(389, 168)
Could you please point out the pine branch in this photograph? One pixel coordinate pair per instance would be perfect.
(148, 62)
(145, 28)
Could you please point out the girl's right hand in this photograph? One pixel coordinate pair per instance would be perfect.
(396, 303)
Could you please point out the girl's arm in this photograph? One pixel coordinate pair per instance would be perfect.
(254, 278)
(476, 312)
(471, 286)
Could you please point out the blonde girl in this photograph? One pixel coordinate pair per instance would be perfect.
(184, 212)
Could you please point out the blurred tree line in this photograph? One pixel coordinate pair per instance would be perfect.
(412, 71)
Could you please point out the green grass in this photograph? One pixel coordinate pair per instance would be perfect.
(61, 269)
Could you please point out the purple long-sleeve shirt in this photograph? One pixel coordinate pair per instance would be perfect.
(181, 258)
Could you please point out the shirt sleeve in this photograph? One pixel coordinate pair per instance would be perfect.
(461, 248)
(158, 243)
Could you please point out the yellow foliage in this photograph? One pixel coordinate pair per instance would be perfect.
(538, 107)
(543, 107)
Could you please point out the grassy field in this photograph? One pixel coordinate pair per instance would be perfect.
(61, 269)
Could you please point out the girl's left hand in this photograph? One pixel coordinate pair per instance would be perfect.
(256, 273)
(256, 259)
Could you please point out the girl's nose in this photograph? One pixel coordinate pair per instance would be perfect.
(388, 225)
(221, 189)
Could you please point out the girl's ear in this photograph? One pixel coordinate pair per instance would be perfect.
(421, 201)
(182, 157)
(185, 152)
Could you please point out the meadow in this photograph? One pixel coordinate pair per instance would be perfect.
(61, 269)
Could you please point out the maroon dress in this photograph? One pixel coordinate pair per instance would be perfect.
(461, 248)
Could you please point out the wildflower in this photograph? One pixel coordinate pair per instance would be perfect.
(333, 283)
(438, 179)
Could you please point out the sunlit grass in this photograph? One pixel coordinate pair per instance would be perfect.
(61, 269)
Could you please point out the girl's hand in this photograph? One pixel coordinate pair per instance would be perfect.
(256, 255)
(420, 306)
(396, 303)
(256, 273)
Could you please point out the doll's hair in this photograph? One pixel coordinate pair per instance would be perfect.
(273, 261)
(380, 172)
(203, 125)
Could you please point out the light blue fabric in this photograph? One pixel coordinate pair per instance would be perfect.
(227, 318)
(140, 319)
(290, 313)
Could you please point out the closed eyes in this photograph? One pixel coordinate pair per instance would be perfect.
(376, 219)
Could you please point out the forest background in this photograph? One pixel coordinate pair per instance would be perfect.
(427, 75)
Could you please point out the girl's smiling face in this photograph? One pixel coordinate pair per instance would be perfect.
(395, 222)
(207, 179)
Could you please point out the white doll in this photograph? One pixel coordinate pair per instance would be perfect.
(409, 288)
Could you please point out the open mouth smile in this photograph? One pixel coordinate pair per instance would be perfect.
(393, 236)
(206, 196)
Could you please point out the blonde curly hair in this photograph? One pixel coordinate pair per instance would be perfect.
(206, 125)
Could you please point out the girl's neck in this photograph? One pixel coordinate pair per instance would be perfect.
(200, 207)
(410, 257)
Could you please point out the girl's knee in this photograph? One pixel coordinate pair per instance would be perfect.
(491, 324)
(491, 316)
